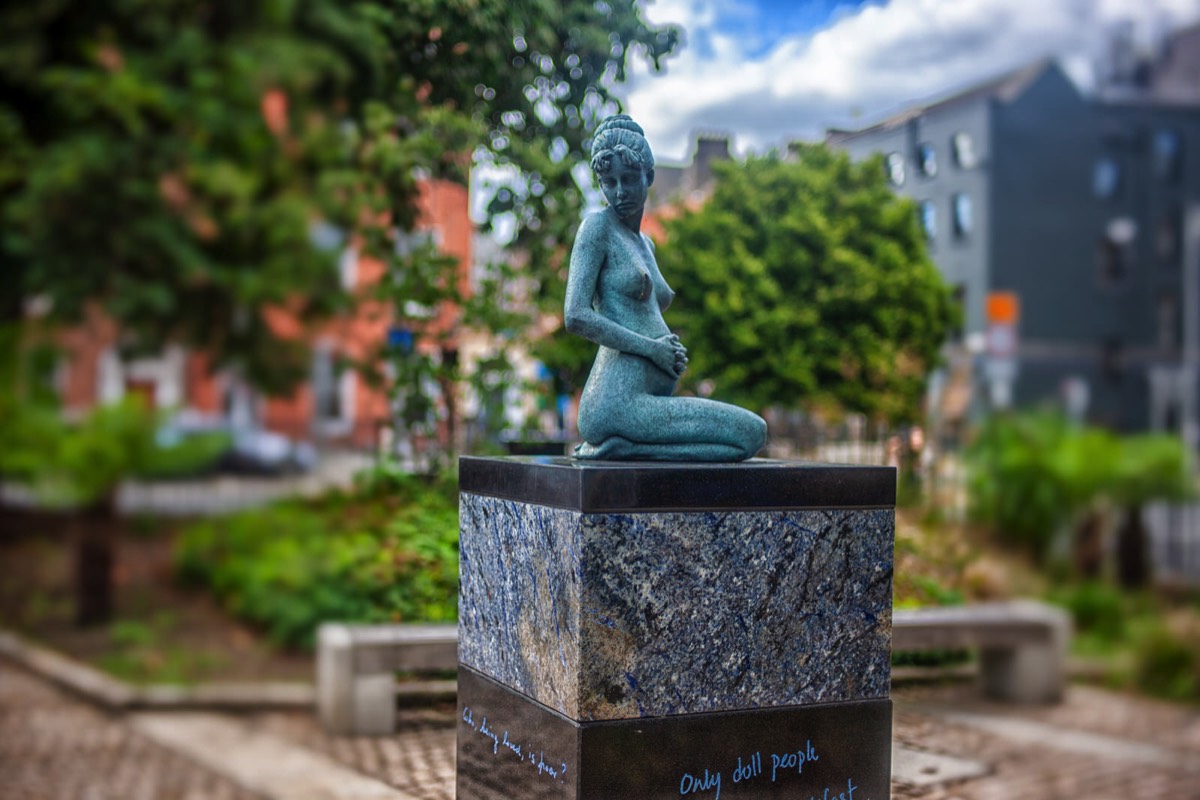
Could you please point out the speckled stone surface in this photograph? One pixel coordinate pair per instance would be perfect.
(622, 615)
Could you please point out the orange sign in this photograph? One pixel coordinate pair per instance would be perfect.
(1003, 308)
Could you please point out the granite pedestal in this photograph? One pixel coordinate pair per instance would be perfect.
(665, 630)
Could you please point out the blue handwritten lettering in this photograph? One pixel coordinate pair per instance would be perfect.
(846, 795)
(483, 730)
(690, 784)
(789, 760)
(543, 767)
(526, 753)
(750, 770)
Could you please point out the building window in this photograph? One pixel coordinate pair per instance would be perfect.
(961, 205)
(333, 391)
(927, 159)
(348, 268)
(1168, 321)
(895, 169)
(1110, 261)
(929, 219)
(408, 243)
(1106, 178)
(960, 302)
(1167, 235)
(1111, 360)
(963, 147)
(1167, 153)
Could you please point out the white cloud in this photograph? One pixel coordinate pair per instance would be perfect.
(862, 65)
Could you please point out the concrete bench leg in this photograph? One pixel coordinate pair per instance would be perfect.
(1029, 673)
(348, 703)
(375, 705)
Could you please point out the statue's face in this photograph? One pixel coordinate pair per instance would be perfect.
(624, 186)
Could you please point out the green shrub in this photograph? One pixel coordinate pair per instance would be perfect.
(1096, 608)
(915, 591)
(1030, 473)
(386, 552)
(930, 658)
(1167, 665)
(1035, 474)
(191, 455)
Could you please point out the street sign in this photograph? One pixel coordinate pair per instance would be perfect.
(1003, 313)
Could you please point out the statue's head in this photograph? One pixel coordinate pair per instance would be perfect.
(620, 138)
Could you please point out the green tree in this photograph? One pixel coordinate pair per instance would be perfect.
(805, 283)
(168, 160)
(179, 163)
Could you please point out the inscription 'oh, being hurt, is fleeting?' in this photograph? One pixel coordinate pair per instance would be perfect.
(753, 768)
(502, 742)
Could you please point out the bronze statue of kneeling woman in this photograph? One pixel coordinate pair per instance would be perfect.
(615, 298)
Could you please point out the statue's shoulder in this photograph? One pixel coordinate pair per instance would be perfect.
(596, 223)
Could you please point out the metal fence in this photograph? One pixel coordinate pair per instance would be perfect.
(930, 468)
(1174, 542)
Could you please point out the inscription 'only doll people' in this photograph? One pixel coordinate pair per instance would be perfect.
(615, 298)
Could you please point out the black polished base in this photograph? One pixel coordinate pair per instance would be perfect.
(512, 748)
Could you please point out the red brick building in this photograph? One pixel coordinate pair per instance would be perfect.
(333, 405)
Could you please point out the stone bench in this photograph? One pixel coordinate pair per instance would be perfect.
(1022, 648)
(1022, 644)
(356, 666)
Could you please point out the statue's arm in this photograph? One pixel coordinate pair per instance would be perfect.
(587, 258)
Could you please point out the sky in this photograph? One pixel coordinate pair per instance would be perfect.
(768, 71)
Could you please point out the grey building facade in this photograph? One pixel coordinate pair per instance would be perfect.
(1079, 206)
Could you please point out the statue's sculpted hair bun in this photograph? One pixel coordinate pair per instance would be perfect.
(619, 136)
(622, 122)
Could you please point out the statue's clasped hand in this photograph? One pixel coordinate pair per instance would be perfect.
(671, 357)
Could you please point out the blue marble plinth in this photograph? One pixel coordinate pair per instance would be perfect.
(605, 616)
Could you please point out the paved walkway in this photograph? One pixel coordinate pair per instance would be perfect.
(1098, 744)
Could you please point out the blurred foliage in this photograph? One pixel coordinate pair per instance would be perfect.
(930, 658)
(189, 456)
(806, 282)
(1098, 609)
(78, 463)
(1032, 474)
(173, 161)
(386, 552)
(1167, 661)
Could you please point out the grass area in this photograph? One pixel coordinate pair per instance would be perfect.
(143, 652)
(162, 632)
(939, 564)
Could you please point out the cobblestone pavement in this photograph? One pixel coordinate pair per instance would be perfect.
(418, 759)
(1097, 744)
(55, 747)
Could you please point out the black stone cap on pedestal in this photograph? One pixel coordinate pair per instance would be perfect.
(627, 486)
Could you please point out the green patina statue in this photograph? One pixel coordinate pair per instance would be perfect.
(615, 298)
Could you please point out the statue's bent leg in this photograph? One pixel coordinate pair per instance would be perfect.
(649, 427)
(617, 448)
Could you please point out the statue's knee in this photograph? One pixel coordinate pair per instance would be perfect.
(757, 438)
